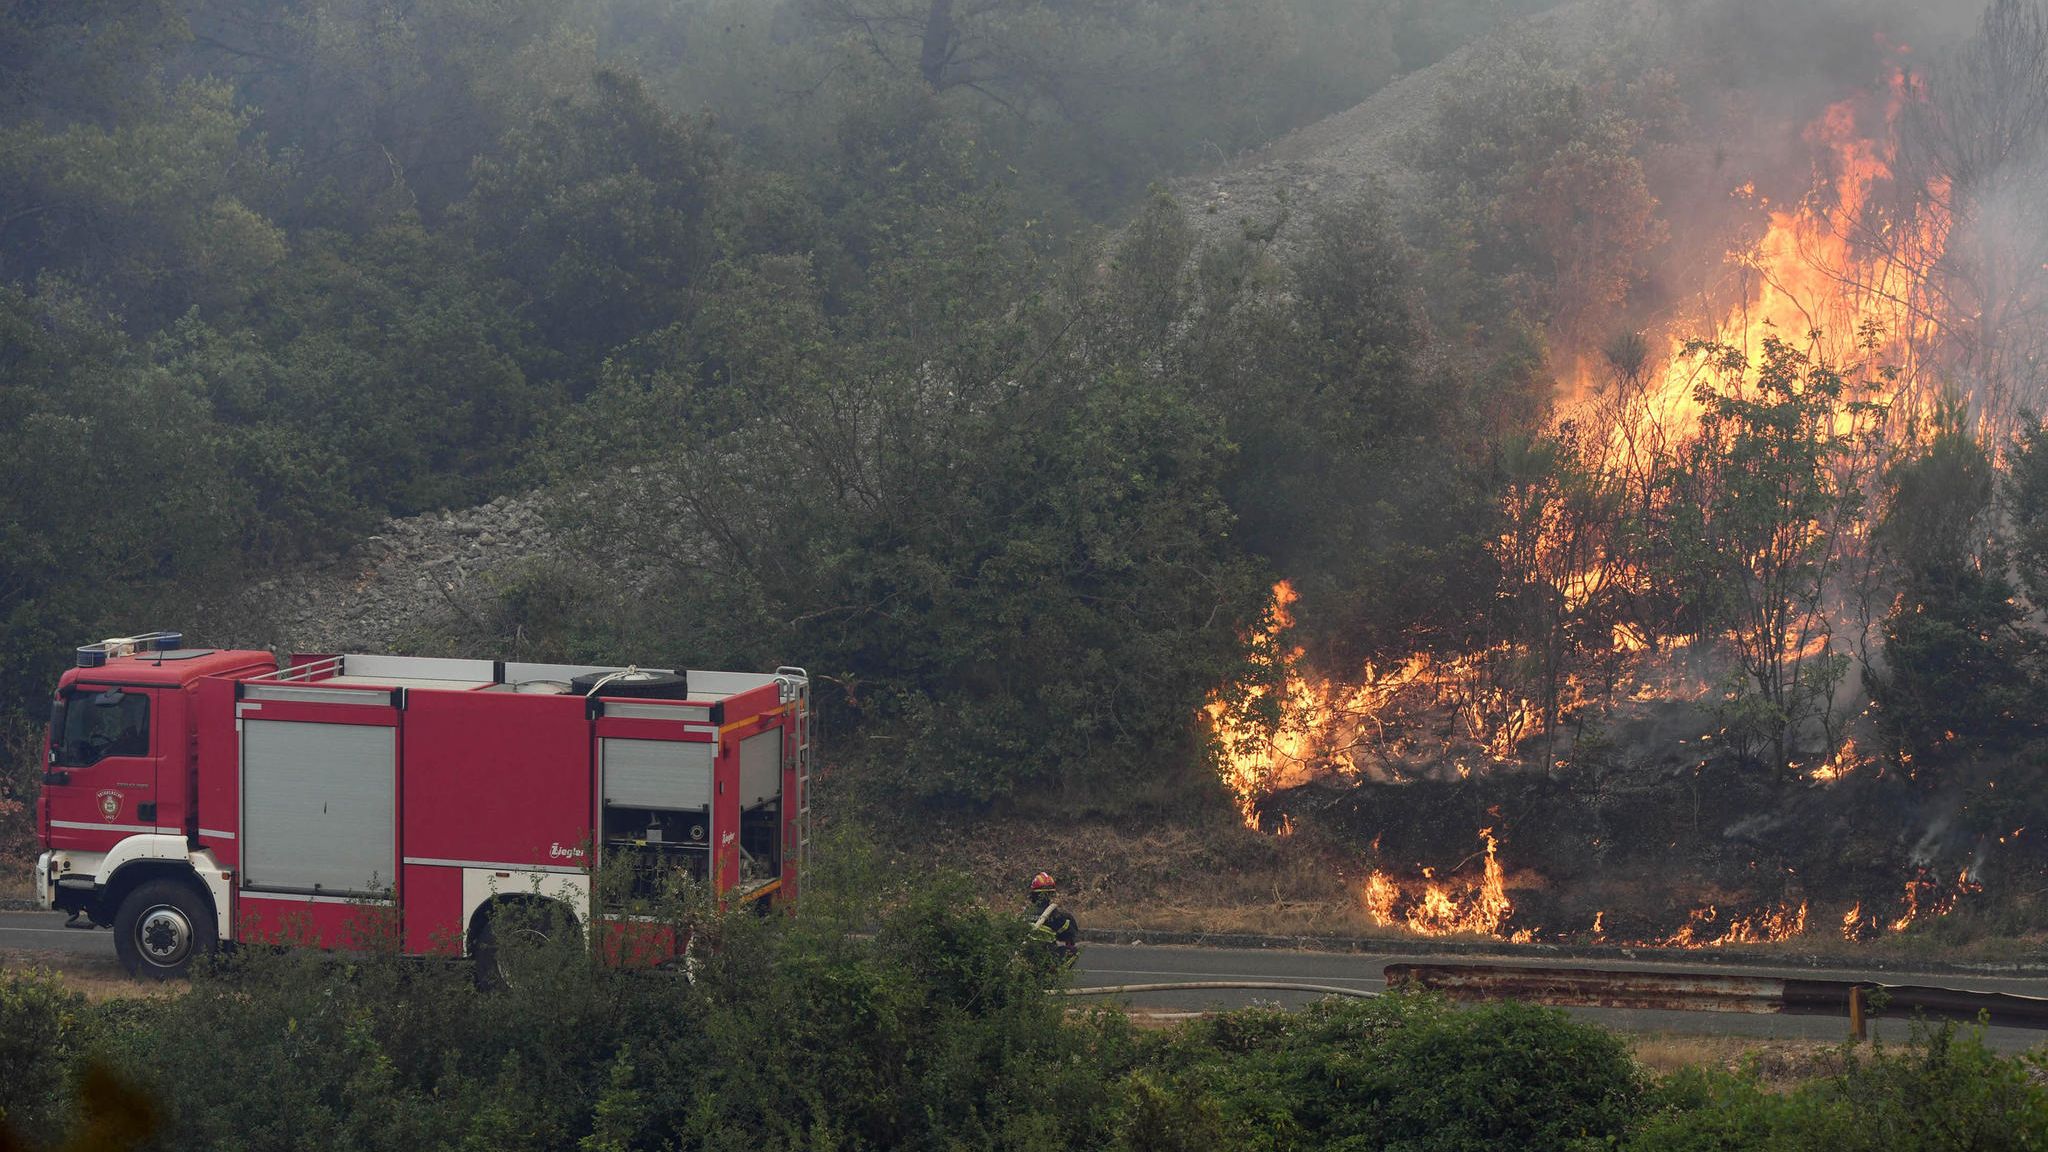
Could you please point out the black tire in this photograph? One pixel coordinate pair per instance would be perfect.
(539, 923)
(632, 685)
(162, 927)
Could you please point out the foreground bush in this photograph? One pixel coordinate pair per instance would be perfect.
(1400, 1073)
(893, 1019)
(932, 1032)
(41, 1027)
(1946, 1091)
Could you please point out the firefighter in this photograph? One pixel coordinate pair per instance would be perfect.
(1054, 924)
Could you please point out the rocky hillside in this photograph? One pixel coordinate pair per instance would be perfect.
(1345, 155)
(415, 579)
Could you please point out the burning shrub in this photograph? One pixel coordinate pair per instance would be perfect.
(1769, 498)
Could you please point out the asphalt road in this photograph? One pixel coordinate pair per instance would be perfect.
(1113, 964)
(45, 932)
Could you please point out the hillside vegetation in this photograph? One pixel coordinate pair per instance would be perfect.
(860, 334)
(798, 294)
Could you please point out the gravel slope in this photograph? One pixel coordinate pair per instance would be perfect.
(1344, 155)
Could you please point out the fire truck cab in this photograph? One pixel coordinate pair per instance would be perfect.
(195, 797)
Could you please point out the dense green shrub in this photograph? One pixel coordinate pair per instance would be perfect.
(43, 1026)
(1400, 1073)
(932, 1032)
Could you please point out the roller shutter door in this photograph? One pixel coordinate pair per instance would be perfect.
(760, 768)
(319, 805)
(665, 774)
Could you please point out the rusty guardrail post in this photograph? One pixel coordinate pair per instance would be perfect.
(1857, 1028)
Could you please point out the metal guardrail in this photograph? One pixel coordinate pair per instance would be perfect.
(1659, 991)
(1205, 985)
(1716, 992)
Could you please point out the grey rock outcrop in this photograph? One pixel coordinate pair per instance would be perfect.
(415, 578)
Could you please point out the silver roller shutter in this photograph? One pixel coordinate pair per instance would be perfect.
(318, 805)
(666, 774)
(760, 768)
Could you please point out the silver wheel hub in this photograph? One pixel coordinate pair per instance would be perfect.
(163, 935)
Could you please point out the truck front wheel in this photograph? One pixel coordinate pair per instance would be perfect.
(161, 927)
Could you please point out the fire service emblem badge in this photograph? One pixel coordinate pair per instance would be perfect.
(110, 804)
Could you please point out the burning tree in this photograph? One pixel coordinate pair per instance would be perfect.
(1562, 596)
(1769, 496)
(1960, 243)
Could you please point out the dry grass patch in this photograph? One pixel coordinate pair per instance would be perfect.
(96, 978)
(17, 878)
(1781, 1065)
(1213, 877)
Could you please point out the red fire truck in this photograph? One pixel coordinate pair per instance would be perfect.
(195, 797)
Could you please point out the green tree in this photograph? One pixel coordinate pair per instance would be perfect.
(2025, 493)
(403, 361)
(383, 105)
(1958, 658)
(1769, 498)
(1011, 553)
(108, 484)
(1357, 473)
(78, 62)
(1537, 198)
(596, 207)
(154, 209)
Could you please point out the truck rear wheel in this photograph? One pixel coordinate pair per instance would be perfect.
(161, 927)
(513, 939)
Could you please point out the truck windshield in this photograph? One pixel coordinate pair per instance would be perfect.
(102, 724)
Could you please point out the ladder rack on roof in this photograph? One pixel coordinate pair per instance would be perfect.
(311, 670)
(800, 682)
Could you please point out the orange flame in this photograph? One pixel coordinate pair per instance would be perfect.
(1845, 760)
(1254, 762)
(1808, 276)
(1438, 911)
(1705, 929)
(1431, 713)
(1927, 896)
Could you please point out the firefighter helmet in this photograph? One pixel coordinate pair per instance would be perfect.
(1043, 882)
